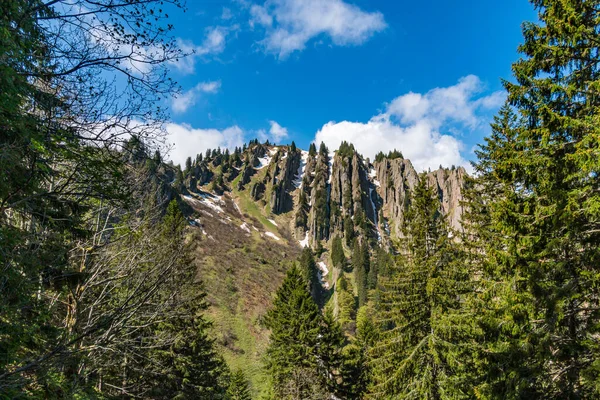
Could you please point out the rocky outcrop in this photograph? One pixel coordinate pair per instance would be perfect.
(246, 175)
(318, 217)
(258, 190)
(283, 181)
(449, 184)
(199, 175)
(394, 180)
(330, 193)
(255, 153)
(350, 190)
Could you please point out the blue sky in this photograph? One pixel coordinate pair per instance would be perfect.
(420, 76)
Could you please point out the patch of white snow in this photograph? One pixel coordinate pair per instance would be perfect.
(244, 227)
(304, 242)
(272, 221)
(263, 162)
(301, 170)
(324, 272)
(272, 235)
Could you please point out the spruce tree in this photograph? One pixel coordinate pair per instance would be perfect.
(331, 343)
(309, 268)
(544, 207)
(239, 387)
(360, 265)
(295, 323)
(419, 310)
(338, 258)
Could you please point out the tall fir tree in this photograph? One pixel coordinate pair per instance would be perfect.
(338, 258)
(544, 213)
(294, 322)
(419, 310)
(239, 387)
(309, 268)
(360, 266)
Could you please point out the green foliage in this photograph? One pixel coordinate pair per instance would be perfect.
(239, 387)
(419, 310)
(323, 150)
(348, 231)
(346, 150)
(539, 226)
(294, 322)
(346, 304)
(361, 267)
(309, 268)
(338, 258)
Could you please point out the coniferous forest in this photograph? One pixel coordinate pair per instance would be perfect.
(269, 272)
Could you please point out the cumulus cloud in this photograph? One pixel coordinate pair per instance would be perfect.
(278, 132)
(419, 124)
(187, 141)
(291, 24)
(182, 102)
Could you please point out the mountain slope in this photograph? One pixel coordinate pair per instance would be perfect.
(257, 207)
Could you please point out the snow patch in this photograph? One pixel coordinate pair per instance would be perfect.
(301, 170)
(304, 242)
(237, 208)
(244, 227)
(263, 162)
(324, 272)
(272, 221)
(272, 235)
(208, 200)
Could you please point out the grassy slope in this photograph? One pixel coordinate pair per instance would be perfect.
(241, 271)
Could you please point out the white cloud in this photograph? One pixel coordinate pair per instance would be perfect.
(227, 14)
(213, 44)
(182, 102)
(415, 123)
(188, 141)
(291, 24)
(278, 132)
(275, 134)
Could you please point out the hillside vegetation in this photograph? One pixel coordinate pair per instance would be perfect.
(268, 271)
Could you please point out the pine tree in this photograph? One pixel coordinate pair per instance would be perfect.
(239, 387)
(545, 212)
(348, 231)
(309, 268)
(360, 265)
(301, 218)
(346, 304)
(338, 258)
(330, 345)
(295, 323)
(419, 310)
(188, 166)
